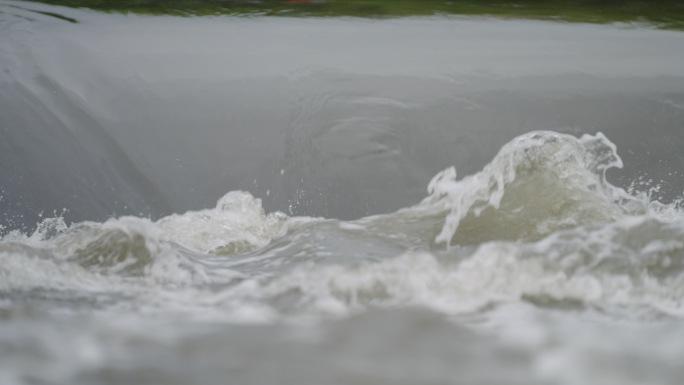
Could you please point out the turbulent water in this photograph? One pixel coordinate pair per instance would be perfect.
(344, 247)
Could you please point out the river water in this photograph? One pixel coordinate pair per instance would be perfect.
(262, 200)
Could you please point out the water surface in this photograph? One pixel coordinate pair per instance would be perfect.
(285, 200)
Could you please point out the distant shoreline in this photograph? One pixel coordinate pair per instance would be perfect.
(666, 14)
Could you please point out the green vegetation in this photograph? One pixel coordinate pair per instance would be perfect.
(662, 13)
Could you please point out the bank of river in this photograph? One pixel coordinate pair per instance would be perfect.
(662, 13)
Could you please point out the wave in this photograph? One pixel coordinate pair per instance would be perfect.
(540, 223)
(538, 184)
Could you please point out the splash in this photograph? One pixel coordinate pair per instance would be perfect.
(539, 223)
(238, 224)
(538, 183)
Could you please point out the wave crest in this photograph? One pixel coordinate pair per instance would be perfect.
(538, 183)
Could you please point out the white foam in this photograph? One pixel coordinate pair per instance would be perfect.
(546, 181)
(237, 224)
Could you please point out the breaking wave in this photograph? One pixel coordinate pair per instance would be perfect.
(540, 223)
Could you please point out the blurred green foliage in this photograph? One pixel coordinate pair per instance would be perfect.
(663, 13)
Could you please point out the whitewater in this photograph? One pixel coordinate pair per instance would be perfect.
(184, 203)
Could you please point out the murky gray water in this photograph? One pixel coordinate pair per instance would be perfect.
(530, 267)
(155, 115)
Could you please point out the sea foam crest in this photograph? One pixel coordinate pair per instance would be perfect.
(173, 247)
(238, 224)
(537, 184)
(172, 250)
(635, 261)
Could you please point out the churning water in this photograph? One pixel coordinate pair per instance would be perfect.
(344, 248)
